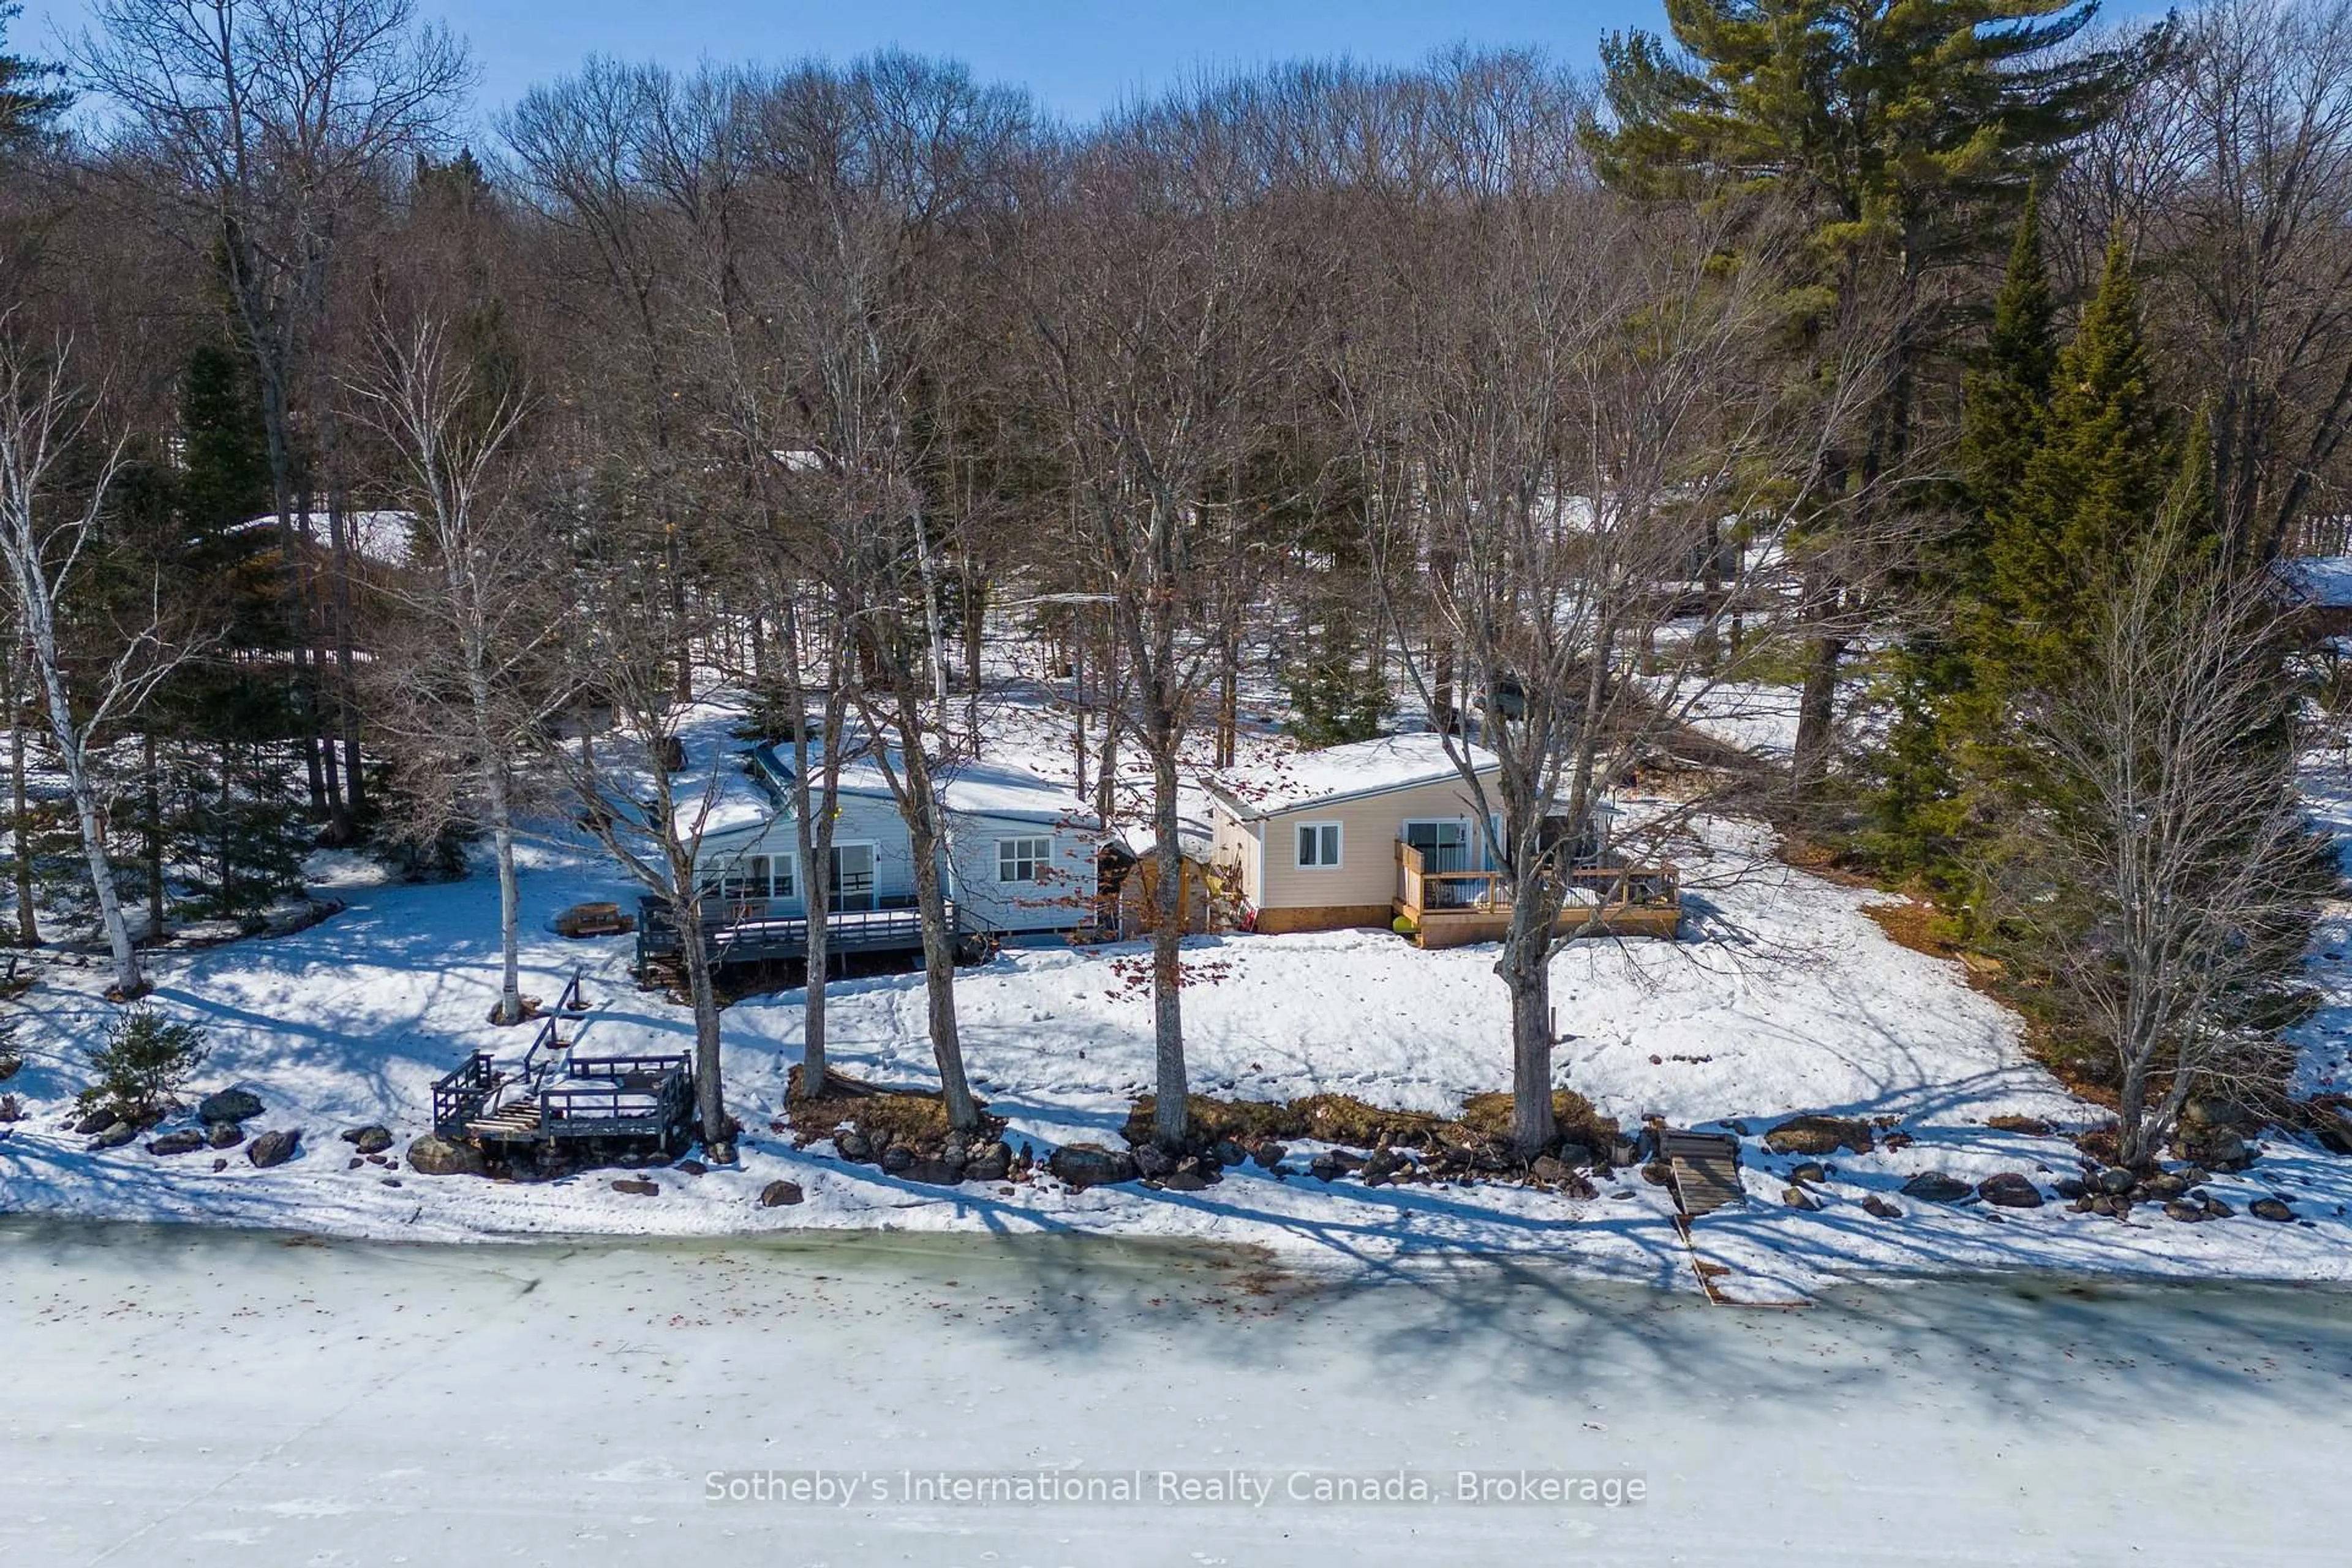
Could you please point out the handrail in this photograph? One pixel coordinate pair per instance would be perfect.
(1655, 886)
(548, 1040)
(575, 998)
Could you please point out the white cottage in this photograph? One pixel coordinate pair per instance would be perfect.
(1021, 855)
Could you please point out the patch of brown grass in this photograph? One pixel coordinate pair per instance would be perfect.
(1490, 1116)
(1821, 860)
(1485, 1120)
(886, 1116)
(1922, 928)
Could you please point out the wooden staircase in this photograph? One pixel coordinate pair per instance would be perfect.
(518, 1117)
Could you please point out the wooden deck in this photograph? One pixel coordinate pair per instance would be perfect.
(556, 1094)
(745, 932)
(1453, 909)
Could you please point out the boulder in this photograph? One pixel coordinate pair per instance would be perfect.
(114, 1137)
(229, 1105)
(853, 1145)
(1327, 1166)
(2070, 1188)
(1153, 1162)
(2117, 1181)
(1545, 1169)
(224, 1135)
(1798, 1199)
(2186, 1212)
(898, 1159)
(637, 1187)
(777, 1195)
(1937, 1187)
(2334, 1134)
(2224, 1151)
(1229, 1152)
(11, 1064)
(103, 1120)
(988, 1162)
(1269, 1154)
(691, 1168)
(934, 1172)
(2010, 1189)
(1809, 1170)
(431, 1156)
(1091, 1165)
(1819, 1135)
(2212, 1110)
(371, 1139)
(1875, 1204)
(2214, 1207)
(1384, 1166)
(2276, 1210)
(274, 1148)
(186, 1140)
(1186, 1181)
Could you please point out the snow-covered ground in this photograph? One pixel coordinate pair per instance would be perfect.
(1785, 998)
(204, 1397)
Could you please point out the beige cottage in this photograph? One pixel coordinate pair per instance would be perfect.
(1386, 832)
(1310, 841)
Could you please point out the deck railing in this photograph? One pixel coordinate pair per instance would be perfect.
(1420, 891)
(745, 932)
(459, 1097)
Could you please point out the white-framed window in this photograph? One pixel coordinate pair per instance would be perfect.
(747, 879)
(1318, 845)
(1022, 859)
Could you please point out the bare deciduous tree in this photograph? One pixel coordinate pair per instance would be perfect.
(49, 527)
(456, 685)
(2160, 869)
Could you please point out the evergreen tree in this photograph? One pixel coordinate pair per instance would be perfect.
(1337, 694)
(1920, 804)
(1903, 133)
(27, 104)
(2083, 502)
(2005, 397)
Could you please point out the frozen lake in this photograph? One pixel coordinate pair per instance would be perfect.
(197, 1396)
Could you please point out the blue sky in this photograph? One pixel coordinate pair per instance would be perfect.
(1079, 57)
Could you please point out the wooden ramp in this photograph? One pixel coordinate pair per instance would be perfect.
(1707, 1171)
(1706, 1167)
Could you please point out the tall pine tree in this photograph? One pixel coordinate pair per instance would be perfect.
(1903, 133)
(1921, 806)
(2082, 502)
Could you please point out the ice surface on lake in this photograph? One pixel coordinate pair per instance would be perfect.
(197, 1397)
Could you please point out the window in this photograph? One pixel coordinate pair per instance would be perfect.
(1318, 845)
(747, 879)
(1022, 859)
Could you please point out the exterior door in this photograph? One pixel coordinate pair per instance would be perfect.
(853, 879)
(1443, 846)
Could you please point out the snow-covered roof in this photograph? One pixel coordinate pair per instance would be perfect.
(977, 787)
(2324, 581)
(383, 537)
(1297, 779)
